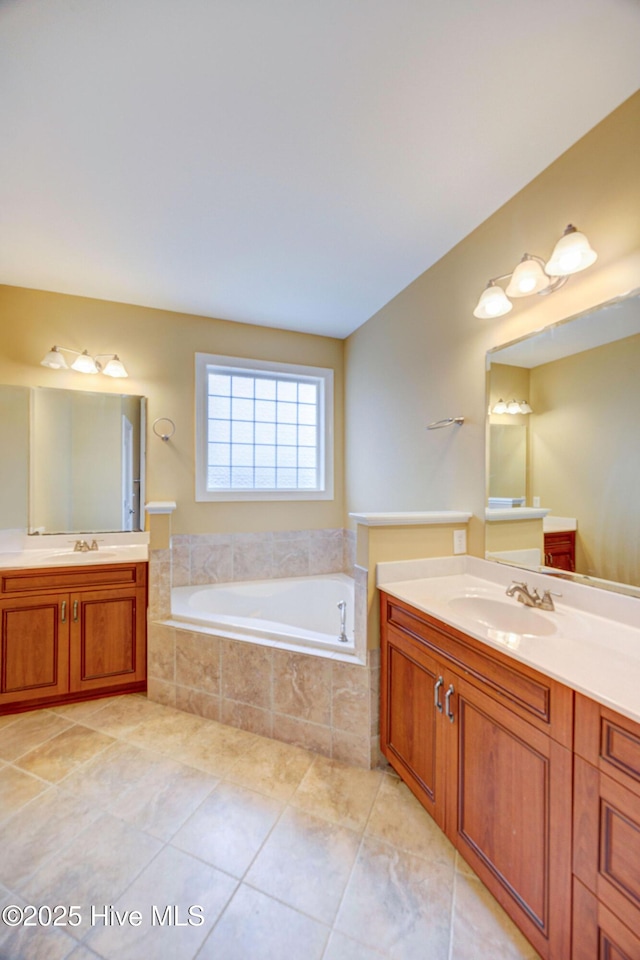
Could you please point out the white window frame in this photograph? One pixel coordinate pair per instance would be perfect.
(223, 364)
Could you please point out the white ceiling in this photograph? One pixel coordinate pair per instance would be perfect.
(293, 163)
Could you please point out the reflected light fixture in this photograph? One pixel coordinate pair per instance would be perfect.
(571, 254)
(513, 407)
(84, 362)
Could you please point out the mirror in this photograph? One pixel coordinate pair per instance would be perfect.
(577, 455)
(73, 461)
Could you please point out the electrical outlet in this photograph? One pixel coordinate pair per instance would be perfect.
(459, 541)
(536, 501)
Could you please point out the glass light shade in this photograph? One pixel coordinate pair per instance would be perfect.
(493, 302)
(115, 368)
(527, 278)
(571, 254)
(500, 407)
(524, 407)
(84, 364)
(54, 360)
(513, 407)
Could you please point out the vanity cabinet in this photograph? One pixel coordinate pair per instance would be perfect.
(560, 550)
(71, 632)
(485, 744)
(606, 856)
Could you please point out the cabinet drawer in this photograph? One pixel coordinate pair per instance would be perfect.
(45, 579)
(609, 741)
(597, 933)
(537, 698)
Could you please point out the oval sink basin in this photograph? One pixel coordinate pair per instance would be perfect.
(506, 617)
(77, 556)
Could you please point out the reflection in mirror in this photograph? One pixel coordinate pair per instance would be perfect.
(579, 450)
(78, 454)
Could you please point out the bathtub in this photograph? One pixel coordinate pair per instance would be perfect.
(295, 612)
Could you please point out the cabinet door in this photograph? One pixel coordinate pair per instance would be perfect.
(597, 933)
(560, 550)
(107, 645)
(509, 813)
(410, 734)
(34, 649)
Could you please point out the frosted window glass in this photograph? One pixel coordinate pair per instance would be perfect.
(242, 386)
(242, 431)
(286, 479)
(241, 455)
(241, 409)
(219, 384)
(287, 390)
(287, 433)
(265, 433)
(265, 456)
(265, 389)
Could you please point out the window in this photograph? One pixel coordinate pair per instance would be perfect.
(263, 430)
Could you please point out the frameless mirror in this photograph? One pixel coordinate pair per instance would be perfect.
(577, 454)
(74, 461)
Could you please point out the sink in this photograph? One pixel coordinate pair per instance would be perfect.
(506, 617)
(78, 556)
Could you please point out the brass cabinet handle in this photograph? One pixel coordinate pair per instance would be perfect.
(447, 700)
(436, 693)
(75, 611)
(63, 611)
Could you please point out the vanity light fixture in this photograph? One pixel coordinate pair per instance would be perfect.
(84, 362)
(513, 407)
(571, 254)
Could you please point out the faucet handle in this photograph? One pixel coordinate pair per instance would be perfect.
(546, 600)
(94, 544)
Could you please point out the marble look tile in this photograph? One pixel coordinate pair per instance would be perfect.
(161, 652)
(60, 756)
(180, 564)
(83, 709)
(8, 719)
(344, 948)
(229, 828)
(109, 775)
(257, 927)
(399, 819)
(398, 903)
(16, 789)
(40, 830)
(246, 673)
(481, 928)
(95, 869)
(165, 794)
(29, 731)
(159, 589)
(195, 701)
(33, 943)
(173, 878)
(121, 716)
(352, 748)
(306, 863)
(254, 719)
(252, 556)
(160, 691)
(198, 661)
(302, 686)
(82, 953)
(337, 792)
(326, 551)
(211, 563)
(291, 556)
(350, 698)
(272, 768)
(301, 733)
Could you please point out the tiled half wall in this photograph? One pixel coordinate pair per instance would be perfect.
(320, 703)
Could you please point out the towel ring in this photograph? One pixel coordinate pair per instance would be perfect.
(164, 436)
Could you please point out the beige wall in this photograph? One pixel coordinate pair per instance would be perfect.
(158, 349)
(585, 455)
(422, 357)
(14, 471)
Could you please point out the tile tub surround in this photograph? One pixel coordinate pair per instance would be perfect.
(288, 853)
(315, 702)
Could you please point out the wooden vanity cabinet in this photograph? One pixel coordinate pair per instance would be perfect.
(485, 744)
(69, 632)
(560, 550)
(606, 856)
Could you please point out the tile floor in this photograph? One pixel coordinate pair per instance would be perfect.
(127, 805)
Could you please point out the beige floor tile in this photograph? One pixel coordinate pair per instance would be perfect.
(168, 732)
(40, 942)
(38, 831)
(481, 930)
(165, 794)
(399, 819)
(8, 719)
(82, 953)
(95, 869)
(463, 867)
(29, 731)
(338, 792)
(111, 774)
(120, 717)
(16, 789)
(344, 948)
(84, 708)
(398, 903)
(272, 768)
(306, 863)
(255, 927)
(229, 828)
(172, 879)
(67, 751)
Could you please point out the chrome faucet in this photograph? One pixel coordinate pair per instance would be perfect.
(531, 598)
(342, 607)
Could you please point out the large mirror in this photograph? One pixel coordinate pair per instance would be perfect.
(72, 462)
(576, 454)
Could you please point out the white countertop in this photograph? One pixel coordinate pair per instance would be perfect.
(594, 641)
(417, 519)
(18, 550)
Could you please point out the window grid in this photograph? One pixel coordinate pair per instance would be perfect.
(263, 432)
